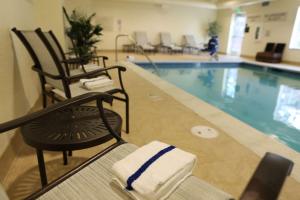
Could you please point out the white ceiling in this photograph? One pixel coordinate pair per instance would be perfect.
(213, 4)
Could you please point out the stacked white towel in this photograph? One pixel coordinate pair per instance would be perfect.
(93, 83)
(161, 178)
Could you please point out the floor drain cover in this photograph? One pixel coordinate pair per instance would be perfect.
(204, 132)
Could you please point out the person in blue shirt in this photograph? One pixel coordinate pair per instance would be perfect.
(212, 47)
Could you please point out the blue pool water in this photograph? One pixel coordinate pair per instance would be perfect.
(266, 99)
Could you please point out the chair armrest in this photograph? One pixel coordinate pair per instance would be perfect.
(79, 100)
(79, 60)
(268, 179)
(103, 57)
(72, 60)
(95, 72)
(56, 77)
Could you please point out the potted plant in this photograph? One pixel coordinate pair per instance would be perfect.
(83, 34)
(213, 29)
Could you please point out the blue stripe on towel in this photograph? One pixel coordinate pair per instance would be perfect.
(147, 164)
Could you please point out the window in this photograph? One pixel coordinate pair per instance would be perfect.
(295, 40)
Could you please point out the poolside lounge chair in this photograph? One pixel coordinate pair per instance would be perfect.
(190, 43)
(166, 42)
(271, 54)
(93, 178)
(141, 40)
(55, 81)
(76, 60)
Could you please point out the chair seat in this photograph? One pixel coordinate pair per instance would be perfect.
(94, 182)
(175, 48)
(192, 47)
(77, 90)
(269, 57)
(148, 47)
(87, 67)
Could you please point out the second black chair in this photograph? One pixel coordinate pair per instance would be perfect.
(54, 78)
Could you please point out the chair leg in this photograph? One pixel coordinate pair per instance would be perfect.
(65, 157)
(52, 99)
(127, 112)
(70, 153)
(42, 168)
(44, 100)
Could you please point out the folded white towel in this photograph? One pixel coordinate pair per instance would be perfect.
(161, 177)
(92, 83)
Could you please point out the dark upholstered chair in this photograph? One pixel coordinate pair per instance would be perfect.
(272, 53)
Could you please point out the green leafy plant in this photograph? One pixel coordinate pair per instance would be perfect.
(213, 29)
(83, 34)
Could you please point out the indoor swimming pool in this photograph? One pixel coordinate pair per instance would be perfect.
(266, 99)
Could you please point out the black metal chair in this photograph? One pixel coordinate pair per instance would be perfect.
(68, 125)
(71, 64)
(54, 78)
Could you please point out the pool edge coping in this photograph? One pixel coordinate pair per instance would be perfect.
(252, 139)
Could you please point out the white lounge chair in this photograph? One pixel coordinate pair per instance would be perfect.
(166, 42)
(141, 40)
(190, 44)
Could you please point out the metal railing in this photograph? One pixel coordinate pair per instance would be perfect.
(137, 47)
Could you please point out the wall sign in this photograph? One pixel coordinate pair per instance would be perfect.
(275, 17)
(254, 18)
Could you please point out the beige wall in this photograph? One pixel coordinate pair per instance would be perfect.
(152, 18)
(19, 86)
(279, 31)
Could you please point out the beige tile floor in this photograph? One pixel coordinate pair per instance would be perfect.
(223, 162)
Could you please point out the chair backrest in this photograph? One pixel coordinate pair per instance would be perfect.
(42, 57)
(165, 39)
(53, 41)
(141, 38)
(55, 44)
(269, 177)
(279, 48)
(269, 47)
(189, 40)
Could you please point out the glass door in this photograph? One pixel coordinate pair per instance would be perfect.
(236, 34)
